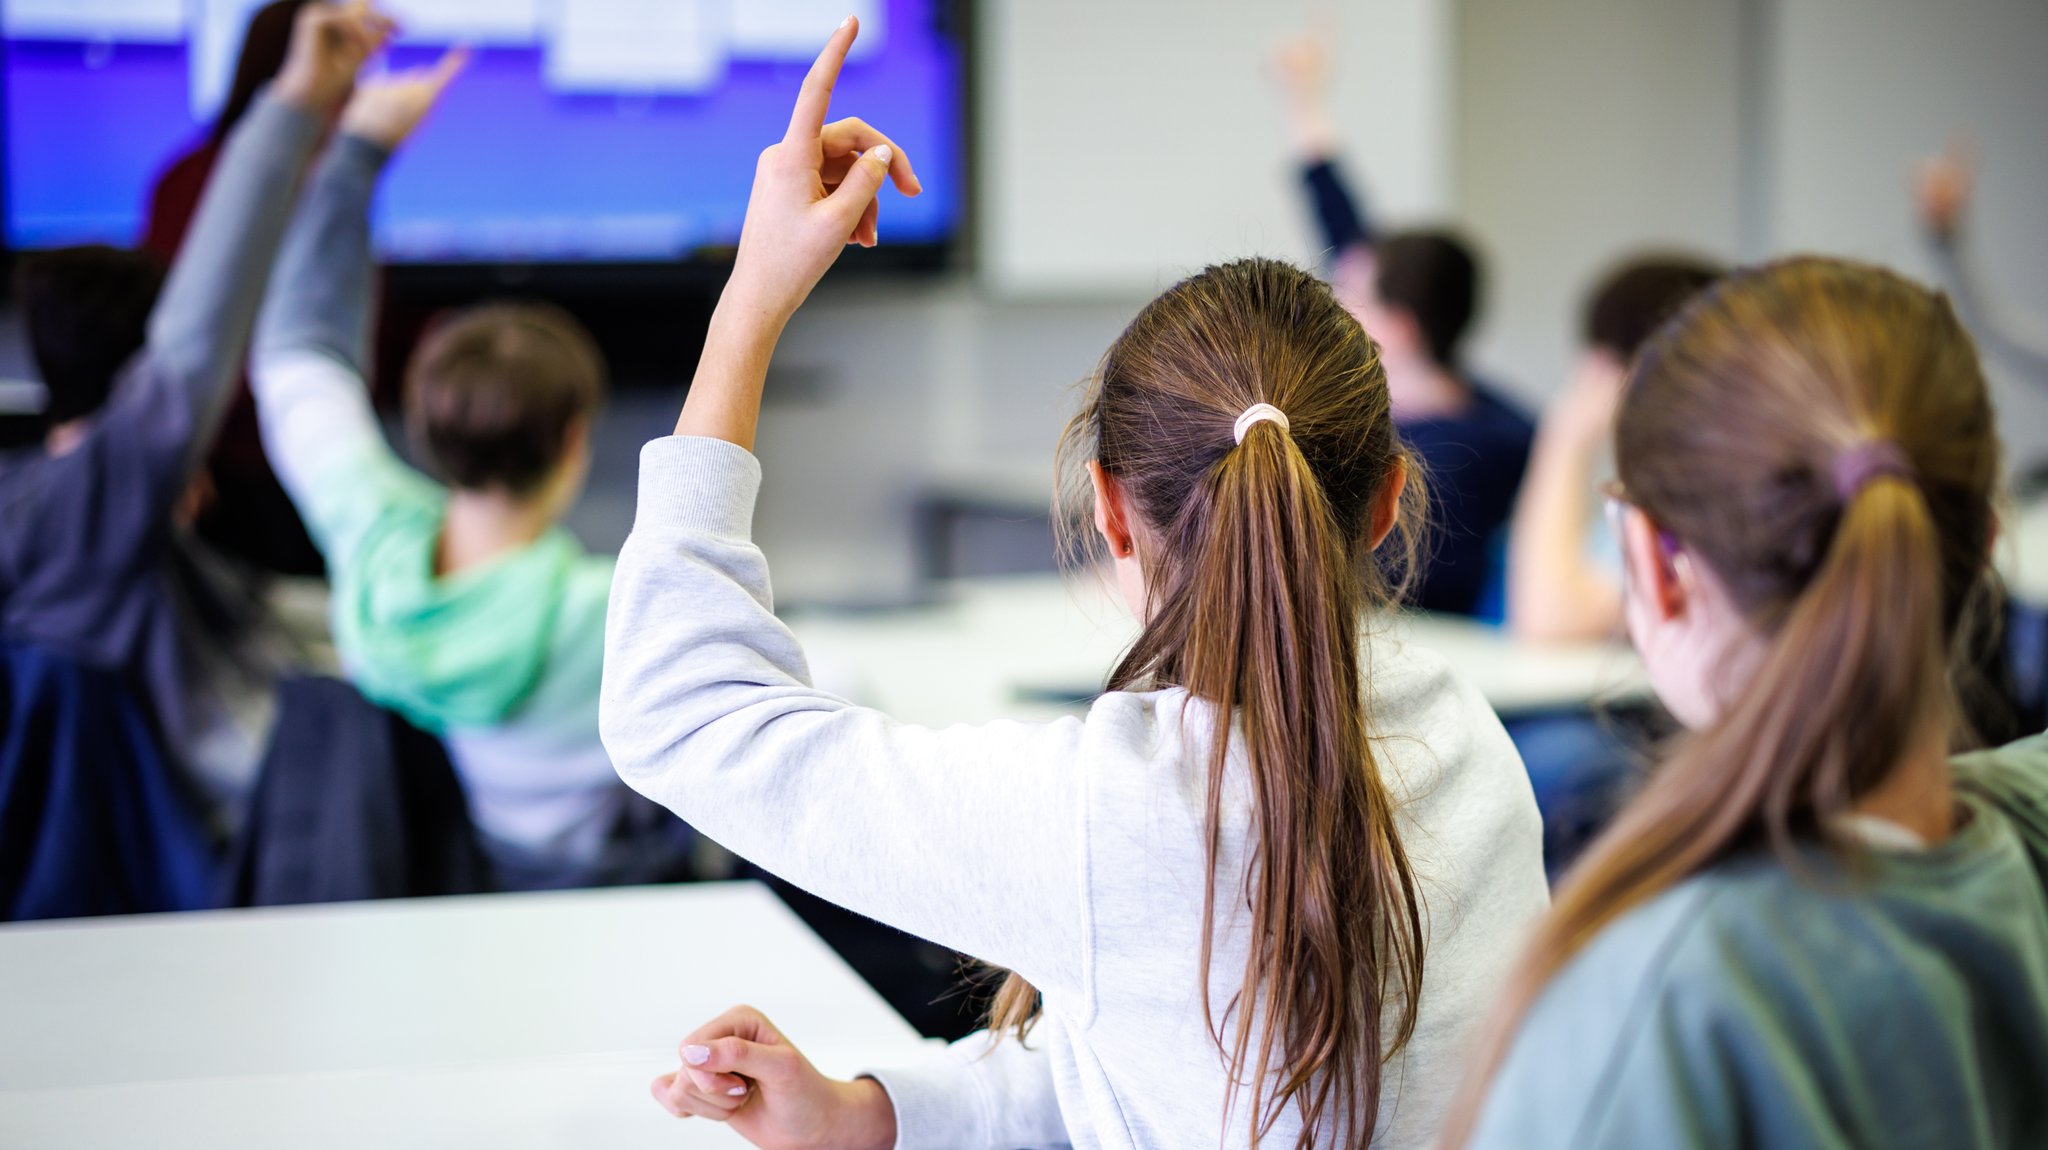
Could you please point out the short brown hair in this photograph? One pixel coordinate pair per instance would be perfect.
(492, 391)
(1633, 299)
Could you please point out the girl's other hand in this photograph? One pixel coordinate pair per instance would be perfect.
(814, 193)
(738, 1069)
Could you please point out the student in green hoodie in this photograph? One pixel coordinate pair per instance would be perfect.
(463, 604)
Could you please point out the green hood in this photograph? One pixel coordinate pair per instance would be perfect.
(462, 651)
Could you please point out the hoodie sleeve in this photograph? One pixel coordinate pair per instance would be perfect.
(971, 836)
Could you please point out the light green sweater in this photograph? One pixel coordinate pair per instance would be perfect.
(1749, 1008)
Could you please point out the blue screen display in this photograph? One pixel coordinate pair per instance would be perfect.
(583, 130)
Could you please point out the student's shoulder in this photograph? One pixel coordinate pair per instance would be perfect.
(1418, 702)
(1650, 995)
(2013, 778)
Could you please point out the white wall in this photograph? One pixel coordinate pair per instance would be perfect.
(1588, 129)
(1863, 88)
(1125, 144)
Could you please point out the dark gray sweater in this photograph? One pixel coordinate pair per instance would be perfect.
(91, 561)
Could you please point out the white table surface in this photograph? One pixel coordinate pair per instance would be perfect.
(2023, 553)
(1013, 647)
(503, 1021)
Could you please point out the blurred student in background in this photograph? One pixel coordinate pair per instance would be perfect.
(1812, 927)
(248, 516)
(1263, 885)
(1564, 575)
(1416, 293)
(467, 608)
(1564, 566)
(96, 554)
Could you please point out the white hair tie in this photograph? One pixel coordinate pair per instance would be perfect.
(1258, 413)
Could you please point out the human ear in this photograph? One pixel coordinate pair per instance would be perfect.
(1386, 505)
(1110, 511)
(1653, 570)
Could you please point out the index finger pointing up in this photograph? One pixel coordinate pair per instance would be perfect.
(814, 102)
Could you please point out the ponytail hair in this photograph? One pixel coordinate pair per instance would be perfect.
(1820, 436)
(1259, 564)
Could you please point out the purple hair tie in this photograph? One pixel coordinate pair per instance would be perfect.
(1871, 459)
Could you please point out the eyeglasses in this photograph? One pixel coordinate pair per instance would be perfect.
(1616, 501)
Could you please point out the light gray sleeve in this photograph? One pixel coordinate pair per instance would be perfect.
(977, 1095)
(199, 332)
(971, 836)
(2020, 340)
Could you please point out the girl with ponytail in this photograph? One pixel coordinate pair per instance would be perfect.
(1255, 896)
(1812, 927)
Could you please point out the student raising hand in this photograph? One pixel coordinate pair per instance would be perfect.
(814, 193)
(329, 44)
(738, 1069)
(387, 109)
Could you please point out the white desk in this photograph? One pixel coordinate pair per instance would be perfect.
(2023, 553)
(502, 1021)
(1031, 646)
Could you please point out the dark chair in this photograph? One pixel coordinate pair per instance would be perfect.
(94, 816)
(353, 803)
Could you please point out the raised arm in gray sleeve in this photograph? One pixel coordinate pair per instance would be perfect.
(199, 332)
(2020, 340)
(321, 300)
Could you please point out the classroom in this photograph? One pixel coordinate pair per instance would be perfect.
(914, 574)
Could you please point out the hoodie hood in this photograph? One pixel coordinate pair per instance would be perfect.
(460, 651)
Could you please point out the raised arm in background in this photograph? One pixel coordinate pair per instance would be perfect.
(201, 325)
(1302, 68)
(1943, 188)
(312, 342)
(1556, 590)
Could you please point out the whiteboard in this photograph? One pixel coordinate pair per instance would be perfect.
(1125, 143)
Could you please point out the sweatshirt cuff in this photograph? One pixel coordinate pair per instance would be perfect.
(936, 1103)
(355, 154)
(695, 485)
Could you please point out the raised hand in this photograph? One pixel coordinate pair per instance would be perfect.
(1942, 187)
(329, 44)
(814, 192)
(738, 1069)
(386, 109)
(1301, 69)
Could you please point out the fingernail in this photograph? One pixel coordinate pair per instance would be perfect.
(696, 1055)
(845, 22)
(882, 153)
(737, 1091)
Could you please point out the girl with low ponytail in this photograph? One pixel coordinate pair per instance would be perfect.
(1255, 896)
(1813, 927)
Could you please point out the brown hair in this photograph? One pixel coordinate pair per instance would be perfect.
(492, 391)
(1259, 567)
(1433, 276)
(1635, 297)
(87, 313)
(1728, 439)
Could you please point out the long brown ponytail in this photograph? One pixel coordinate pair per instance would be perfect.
(1259, 568)
(1738, 416)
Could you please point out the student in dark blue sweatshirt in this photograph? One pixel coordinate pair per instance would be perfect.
(95, 549)
(1416, 292)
